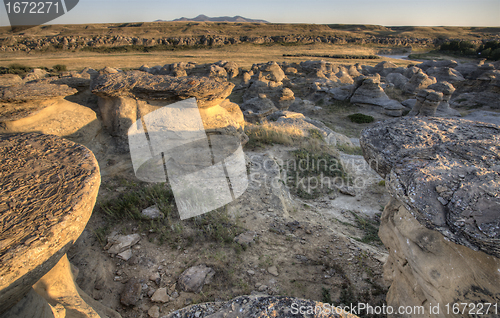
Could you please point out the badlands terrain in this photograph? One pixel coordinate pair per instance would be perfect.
(288, 94)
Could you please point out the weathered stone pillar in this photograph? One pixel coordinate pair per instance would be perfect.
(49, 187)
(442, 225)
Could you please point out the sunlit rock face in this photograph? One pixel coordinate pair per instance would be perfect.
(125, 97)
(442, 225)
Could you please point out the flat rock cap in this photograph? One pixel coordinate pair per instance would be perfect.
(208, 92)
(445, 171)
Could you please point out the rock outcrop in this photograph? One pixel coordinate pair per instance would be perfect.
(126, 96)
(444, 109)
(441, 227)
(418, 81)
(427, 103)
(371, 93)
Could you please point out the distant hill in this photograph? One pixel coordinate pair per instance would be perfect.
(204, 18)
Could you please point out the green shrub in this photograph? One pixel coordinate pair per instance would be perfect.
(59, 68)
(360, 118)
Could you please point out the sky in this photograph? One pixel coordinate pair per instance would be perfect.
(380, 12)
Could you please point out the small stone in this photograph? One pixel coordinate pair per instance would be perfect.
(193, 278)
(125, 255)
(197, 314)
(153, 213)
(250, 272)
(273, 270)
(120, 243)
(262, 288)
(160, 295)
(131, 293)
(175, 294)
(155, 277)
(443, 201)
(308, 231)
(270, 210)
(154, 312)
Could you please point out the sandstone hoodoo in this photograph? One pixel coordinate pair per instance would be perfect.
(441, 227)
(49, 187)
(125, 97)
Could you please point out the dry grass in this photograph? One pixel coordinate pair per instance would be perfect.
(272, 133)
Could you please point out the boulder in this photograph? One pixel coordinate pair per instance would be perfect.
(399, 80)
(257, 108)
(371, 93)
(410, 71)
(217, 71)
(384, 68)
(445, 74)
(7, 80)
(438, 63)
(418, 81)
(269, 72)
(443, 218)
(304, 106)
(427, 103)
(343, 92)
(344, 77)
(35, 74)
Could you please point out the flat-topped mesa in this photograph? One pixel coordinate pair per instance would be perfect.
(441, 227)
(142, 85)
(446, 172)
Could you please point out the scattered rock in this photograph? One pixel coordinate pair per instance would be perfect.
(193, 278)
(427, 103)
(119, 243)
(154, 312)
(273, 270)
(160, 296)
(131, 292)
(246, 239)
(152, 213)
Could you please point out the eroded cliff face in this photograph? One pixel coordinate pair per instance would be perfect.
(442, 225)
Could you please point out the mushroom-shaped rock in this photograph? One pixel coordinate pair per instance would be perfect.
(446, 172)
(125, 97)
(41, 107)
(444, 108)
(441, 226)
(49, 187)
(427, 103)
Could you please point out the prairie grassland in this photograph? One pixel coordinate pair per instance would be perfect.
(245, 55)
